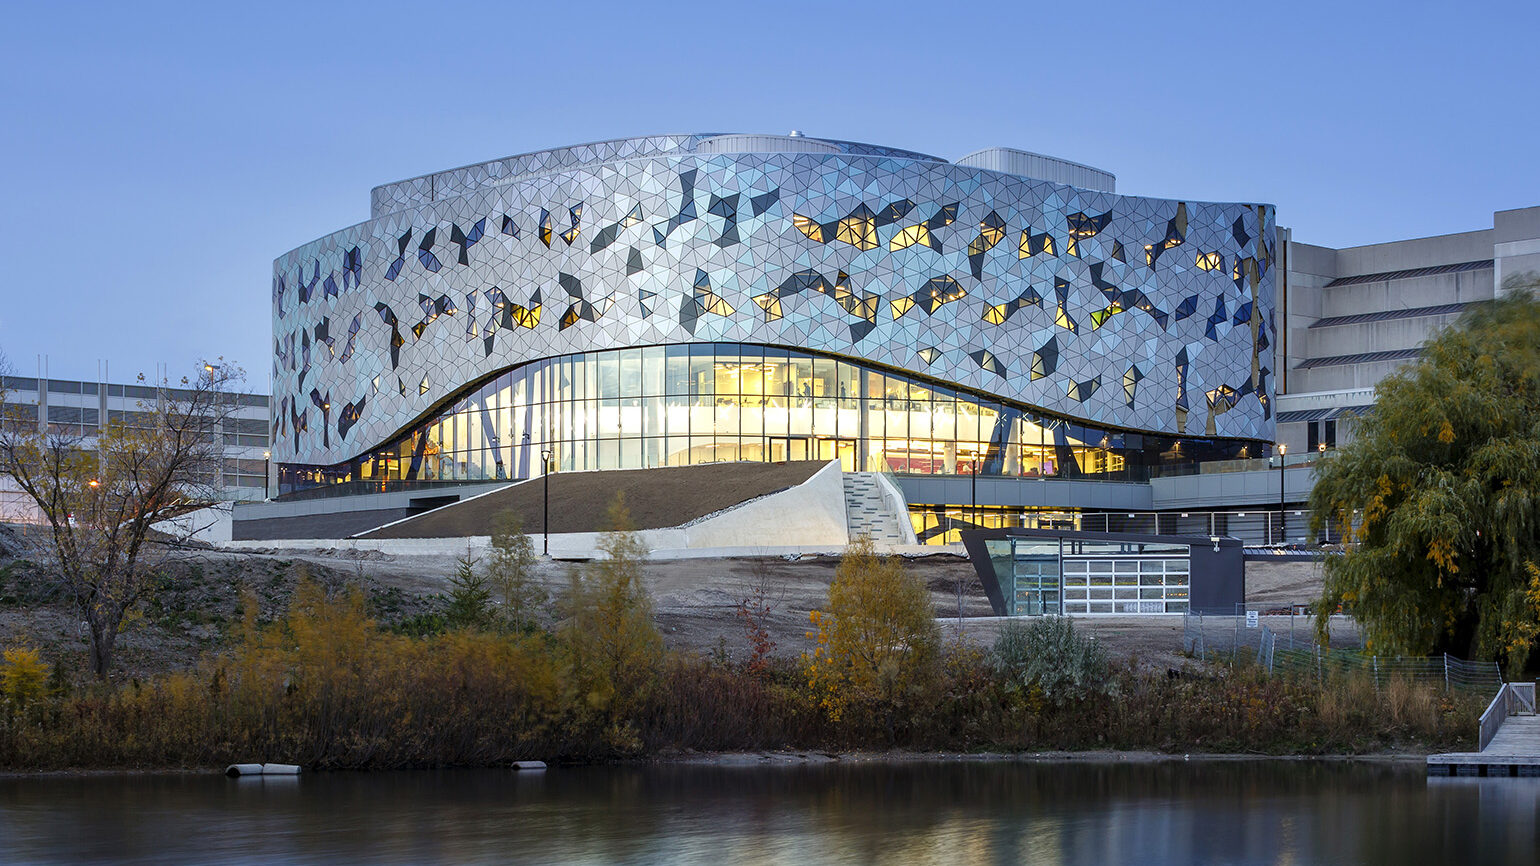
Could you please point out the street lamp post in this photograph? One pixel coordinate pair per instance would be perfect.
(267, 474)
(545, 520)
(1320, 449)
(1283, 450)
(974, 492)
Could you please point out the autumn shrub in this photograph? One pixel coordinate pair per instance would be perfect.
(971, 710)
(1413, 707)
(1049, 658)
(613, 650)
(323, 685)
(703, 706)
(877, 644)
(23, 677)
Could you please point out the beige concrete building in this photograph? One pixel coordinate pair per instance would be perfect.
(1350, 317)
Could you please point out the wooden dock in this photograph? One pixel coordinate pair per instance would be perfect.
(1509, 739)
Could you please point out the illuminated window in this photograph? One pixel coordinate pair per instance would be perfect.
(525, 317)
(1082, 225)
(576, 214)
(859, 229)
(1082, 391)
(1046, 359)
(706, 300)
(1176, 235)
(909, 236)
(636, 408)
(936, 293)
(808, 226)
(999, 314)
(770, 304)
(1032, 244)
(991, 232)
(1063, 320)
(1099, 317)
(895, 211)
(986, 360)
(1131, 380)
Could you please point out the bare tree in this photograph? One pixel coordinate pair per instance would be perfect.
(104, 509)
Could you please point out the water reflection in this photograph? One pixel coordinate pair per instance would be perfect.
(1177, 813)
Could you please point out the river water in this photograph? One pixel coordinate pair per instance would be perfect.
(915, 813)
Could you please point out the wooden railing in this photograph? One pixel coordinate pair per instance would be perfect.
(1512, 699)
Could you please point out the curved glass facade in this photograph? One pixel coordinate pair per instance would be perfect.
(1140, 313)
(680, 405)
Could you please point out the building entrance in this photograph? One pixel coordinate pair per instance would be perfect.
(843, 450)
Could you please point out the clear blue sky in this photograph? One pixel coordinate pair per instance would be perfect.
(155, 158)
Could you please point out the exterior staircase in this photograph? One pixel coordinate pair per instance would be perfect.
(868, 510)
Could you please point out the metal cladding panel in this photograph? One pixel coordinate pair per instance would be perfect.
(1218, 577)
(1135, 313)
(766, 144)
(1036, 165)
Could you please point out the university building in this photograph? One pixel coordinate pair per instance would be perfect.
(998, 340)
(1352, 316)
(79, 409)
(1002, 337)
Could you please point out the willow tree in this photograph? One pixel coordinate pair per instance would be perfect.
(109, 507)
(1439, 496)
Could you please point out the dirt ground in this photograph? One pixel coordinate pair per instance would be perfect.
(1281, 584)
(696, 602)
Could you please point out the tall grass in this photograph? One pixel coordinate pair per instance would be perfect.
(325, 687)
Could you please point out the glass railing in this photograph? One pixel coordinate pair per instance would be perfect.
(1256, 464)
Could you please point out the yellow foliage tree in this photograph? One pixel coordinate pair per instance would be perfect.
(614, 647)
(324, 686)
(24, 677)
(878, 638)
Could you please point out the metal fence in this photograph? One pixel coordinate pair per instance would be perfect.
(1203, 634)
(1453, 673)
(1278, 647)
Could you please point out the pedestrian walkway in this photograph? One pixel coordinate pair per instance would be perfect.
(1509, 739)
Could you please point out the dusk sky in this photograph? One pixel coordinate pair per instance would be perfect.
(156, 157)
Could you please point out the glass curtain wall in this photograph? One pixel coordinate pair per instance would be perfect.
(708, 403)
